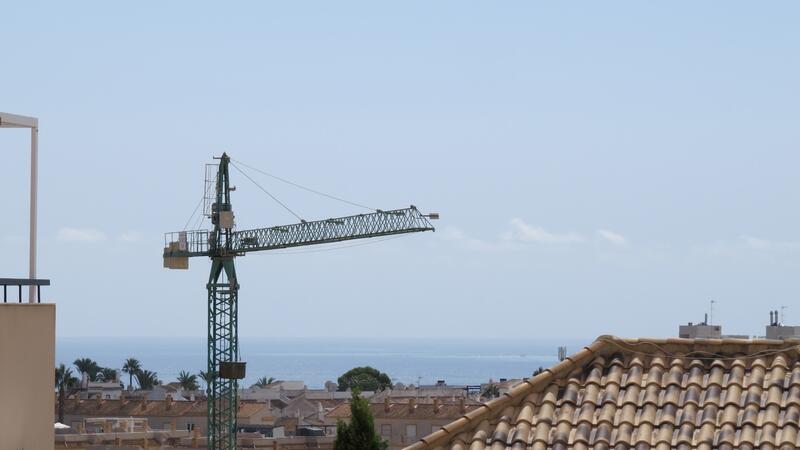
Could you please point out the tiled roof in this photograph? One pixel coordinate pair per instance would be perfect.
(403, 410)
(119, 408)
(288, 422)
(151, 408)
(642, 394)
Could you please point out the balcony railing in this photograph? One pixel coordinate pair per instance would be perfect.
(18, 283)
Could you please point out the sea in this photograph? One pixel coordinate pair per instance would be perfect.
(317, 360)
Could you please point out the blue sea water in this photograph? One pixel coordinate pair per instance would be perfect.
(316, 360)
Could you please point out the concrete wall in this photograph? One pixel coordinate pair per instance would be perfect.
(782, 332)
(27, 366)
(153, 422)
(398, 438)
(700, 331)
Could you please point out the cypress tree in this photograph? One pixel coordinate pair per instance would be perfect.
(359, 434)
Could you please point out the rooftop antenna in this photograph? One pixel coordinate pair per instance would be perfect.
(711, 313)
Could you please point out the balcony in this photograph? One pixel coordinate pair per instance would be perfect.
(17, 283)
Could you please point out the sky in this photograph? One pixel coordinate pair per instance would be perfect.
(599, 167)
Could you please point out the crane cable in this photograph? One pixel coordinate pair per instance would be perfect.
(267, 192)
(236, 163)
(205, 194)
(333, 197)
(201, 219)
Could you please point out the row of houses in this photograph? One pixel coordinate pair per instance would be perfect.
(401, 421)
(401, 415)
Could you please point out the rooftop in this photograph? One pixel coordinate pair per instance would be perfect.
(642, 394)
(421, 409)
(149, 408)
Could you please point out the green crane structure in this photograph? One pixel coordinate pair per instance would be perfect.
(222, 245)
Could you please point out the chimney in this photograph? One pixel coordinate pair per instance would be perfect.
(462, 406)
(412, 403)
(705, 319)
(144, 402)
(168, 402)
(436, 405)
(99, 399)
(771, 319)
(387, 404)
(77, 400)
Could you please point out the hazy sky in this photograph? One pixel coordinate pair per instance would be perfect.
(600, 167)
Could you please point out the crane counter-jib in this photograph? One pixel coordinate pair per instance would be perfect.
(186, 244)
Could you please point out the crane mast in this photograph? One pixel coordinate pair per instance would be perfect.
(222, 245)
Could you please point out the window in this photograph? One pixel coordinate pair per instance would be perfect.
(411, 430)
(190, 426)
(386, 430)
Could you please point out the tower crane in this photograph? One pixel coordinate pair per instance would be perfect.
(222, 245)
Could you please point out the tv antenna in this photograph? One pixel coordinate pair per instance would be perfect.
(711, 313)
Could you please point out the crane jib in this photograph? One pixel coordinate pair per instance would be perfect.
(360, 226)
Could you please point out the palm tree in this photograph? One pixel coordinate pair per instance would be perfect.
(491, 391)
(107, 374)
(64, 380)
(207, 378)
(88, 367)
(147, 379)
(131, 367)
(263, 382)
(187, 381)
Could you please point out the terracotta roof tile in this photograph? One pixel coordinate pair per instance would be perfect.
(644, 394)
(150, 408)
(447, 410)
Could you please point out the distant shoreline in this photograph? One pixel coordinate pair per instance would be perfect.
(317, 360)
